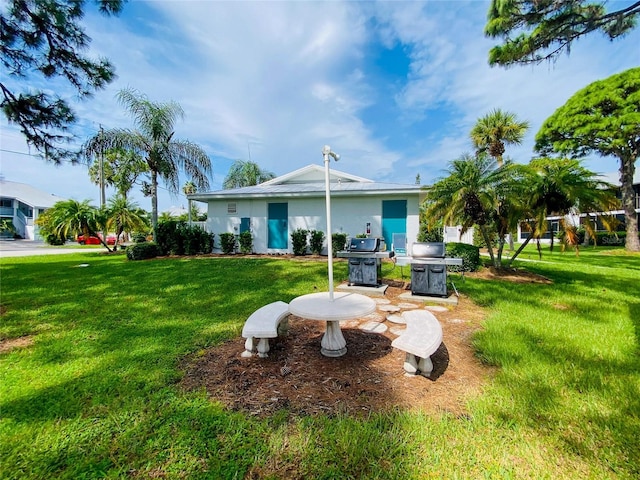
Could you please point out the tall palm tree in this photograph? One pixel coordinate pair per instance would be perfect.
(558, 187)
(473, 194)
(125, 216)
(494, 130)
(245, 174)
(153, 138)
(71, 217)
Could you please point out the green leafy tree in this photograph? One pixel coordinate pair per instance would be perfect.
(153, 138)
(536, 30)
(245, 174)
(478, 193)
(43, 39)
(494, 130)
(189, 188)
(602, 118)
(125, 216)
(69, 218)
(558, 187)
(120, 170)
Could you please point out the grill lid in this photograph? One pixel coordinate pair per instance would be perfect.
(428, 250)
(364, 245)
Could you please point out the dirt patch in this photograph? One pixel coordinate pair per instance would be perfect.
(509, 274)
(368, 378)
(11, 343)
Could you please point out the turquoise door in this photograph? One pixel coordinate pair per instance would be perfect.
(278, 225)
(245, 224)
(394, 219)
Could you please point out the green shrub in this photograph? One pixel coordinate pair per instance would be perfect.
(53, 239)
(176, 237)
(299, 241)
(470, 255)
(316, 241)
(430, 232)
(228, 243)
(245, 239)
(139, 238)
(143, 251)
(338, 242)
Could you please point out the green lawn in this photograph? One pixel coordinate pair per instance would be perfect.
(95, 395)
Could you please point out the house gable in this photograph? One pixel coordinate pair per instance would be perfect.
(314, 174)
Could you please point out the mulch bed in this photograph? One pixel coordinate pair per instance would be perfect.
(368, 378)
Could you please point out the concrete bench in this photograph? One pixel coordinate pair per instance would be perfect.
(262, 325)
(420, 340)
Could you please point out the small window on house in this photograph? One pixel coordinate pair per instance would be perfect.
(232, 208)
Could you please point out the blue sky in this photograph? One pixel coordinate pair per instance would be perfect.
(394, 87)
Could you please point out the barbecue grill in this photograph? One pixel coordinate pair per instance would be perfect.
(429, 268)
(365, 261)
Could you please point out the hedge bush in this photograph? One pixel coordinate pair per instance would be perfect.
(139, 238)
(245, 239)
(53, 239)
(143, 251)
(176, 237)
(299, 241)
(338, 242)
(227, 243)
(316, 239)
(470, 255)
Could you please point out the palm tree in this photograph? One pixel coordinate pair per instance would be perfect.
(494, 130)
(71, 217)
(558, 187)
(125, 216)
(154, 139)
(473, 194)
(245, 174)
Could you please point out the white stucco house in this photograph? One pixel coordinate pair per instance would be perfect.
(22, 204)
(274, 209)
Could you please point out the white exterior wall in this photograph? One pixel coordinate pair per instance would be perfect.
(349, 215)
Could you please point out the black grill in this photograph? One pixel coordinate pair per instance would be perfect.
(428, 269)
(365, 261)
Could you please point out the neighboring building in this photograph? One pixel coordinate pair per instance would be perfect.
(22, 204)
(276, 208)
(553, 223)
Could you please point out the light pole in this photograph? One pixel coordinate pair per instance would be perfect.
(326, 153)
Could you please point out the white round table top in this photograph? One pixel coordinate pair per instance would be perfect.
(345, 306)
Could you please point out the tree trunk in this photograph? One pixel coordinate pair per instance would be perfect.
(501, 243)
(154, 204)
(487, 240)
(524, 244)
(627, 168)
(100, 237)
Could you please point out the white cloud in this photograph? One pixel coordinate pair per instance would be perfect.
(281, 79)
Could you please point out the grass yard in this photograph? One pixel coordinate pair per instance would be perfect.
(92, 390)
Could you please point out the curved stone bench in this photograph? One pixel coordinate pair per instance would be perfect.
(264, 324)
(420, 340)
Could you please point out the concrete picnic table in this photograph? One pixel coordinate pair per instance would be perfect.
(344, 306)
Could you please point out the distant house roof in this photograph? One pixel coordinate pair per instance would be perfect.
(309, 181)
(28, 195)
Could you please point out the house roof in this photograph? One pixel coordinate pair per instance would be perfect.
(28, 194)
(309, 181)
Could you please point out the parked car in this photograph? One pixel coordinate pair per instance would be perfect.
(92, 240)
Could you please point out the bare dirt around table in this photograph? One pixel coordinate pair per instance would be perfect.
(368, 378)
